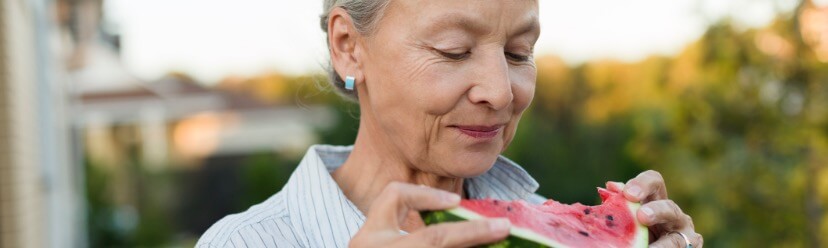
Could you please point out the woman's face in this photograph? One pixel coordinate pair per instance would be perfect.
(445, 82)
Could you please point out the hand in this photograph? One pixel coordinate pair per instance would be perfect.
(395, 203)
(660, 214)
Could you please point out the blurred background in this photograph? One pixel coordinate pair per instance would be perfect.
(140, 123)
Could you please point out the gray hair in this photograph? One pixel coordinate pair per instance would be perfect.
(364, 14)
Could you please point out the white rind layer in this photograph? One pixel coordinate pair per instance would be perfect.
(516, 231)
(642, 238)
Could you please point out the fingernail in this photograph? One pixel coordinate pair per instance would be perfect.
(450, 198)
(499, 225)
(648, 212)
(615, 186)
(634, 191)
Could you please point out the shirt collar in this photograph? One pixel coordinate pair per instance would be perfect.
(505, 181)
(318, 206)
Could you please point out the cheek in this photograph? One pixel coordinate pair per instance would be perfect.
(415, 80)
(523, 88)
(408, 94)
(442, 94)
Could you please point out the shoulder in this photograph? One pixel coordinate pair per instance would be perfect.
(266, 224)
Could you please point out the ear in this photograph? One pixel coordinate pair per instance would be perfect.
(343, 43)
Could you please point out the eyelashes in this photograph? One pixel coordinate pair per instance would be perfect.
(455, 56)
(517, 57)
(514, 57)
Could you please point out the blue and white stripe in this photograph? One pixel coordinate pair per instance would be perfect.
(312, 211)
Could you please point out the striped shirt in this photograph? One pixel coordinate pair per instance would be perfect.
(312, 211)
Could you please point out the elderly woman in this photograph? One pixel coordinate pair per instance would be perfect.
(441, 86)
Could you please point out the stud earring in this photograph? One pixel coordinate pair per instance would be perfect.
(349, 83)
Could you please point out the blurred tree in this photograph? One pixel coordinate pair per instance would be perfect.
(263, 174)
(100, 210)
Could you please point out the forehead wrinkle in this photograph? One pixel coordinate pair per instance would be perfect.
(478, 25)
(459, 20)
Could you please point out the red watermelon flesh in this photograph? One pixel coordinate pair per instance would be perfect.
(577, 225)
(553, 224)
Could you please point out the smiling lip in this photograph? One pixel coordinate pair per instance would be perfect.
(480, 132)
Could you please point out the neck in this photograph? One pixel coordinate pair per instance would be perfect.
(373, 164)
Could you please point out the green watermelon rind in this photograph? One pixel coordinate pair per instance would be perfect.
(522, 237)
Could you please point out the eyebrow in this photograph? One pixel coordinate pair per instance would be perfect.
(478, 27)
(458, 21)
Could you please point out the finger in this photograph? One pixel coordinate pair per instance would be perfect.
(697, 240)
(460, 234)
(647, 186)
(664, 212)
(617, 187)
(394, 203)
(672, 240)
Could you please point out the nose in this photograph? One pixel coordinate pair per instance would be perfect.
(492, 86)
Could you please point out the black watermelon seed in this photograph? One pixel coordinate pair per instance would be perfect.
(509, 208)
(584, 233)
(586, 211)
(496, 202)
(609, 217)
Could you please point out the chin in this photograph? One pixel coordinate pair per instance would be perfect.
(471, 165)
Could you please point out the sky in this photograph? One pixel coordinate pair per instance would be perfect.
(213, 39)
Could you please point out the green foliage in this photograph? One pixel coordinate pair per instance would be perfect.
(347, 124)
(739, 141)
(102, 231)
(263, 174)
(116, 224)
(738, 133)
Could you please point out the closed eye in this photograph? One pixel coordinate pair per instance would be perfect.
(454, 56)
(517, 57)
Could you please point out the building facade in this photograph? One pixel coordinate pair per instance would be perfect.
(40, 191)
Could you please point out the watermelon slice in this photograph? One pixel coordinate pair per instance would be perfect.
(553, 224)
